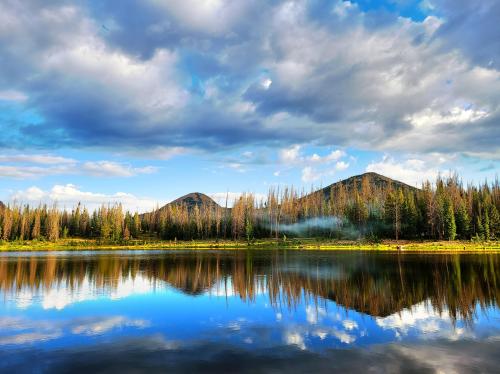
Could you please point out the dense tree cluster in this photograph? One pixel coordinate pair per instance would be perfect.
(445, 210)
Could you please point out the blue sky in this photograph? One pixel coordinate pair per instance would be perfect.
(149, 100)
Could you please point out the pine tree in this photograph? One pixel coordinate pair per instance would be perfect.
(392, 210)
(248, 229)
(409, 217)
(479, 228)
(486, 225)
(450, 228)
(462, 221)
(136, 226)
(494, 223)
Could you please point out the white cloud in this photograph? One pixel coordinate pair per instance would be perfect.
(29, 338)
(12, 95)
(158, 152)
(147, 87)
(343, 336)
(456, 115)
(314, 167)
(311, 174)
(70, 195)
(59, 296)
(341, 165)
(102, 325)
(236, 166)
(207, 16)
(27, 172)
(39, 165)
(36, 331)
(295, 338)
(412, 171)
(290, 155)
(266, 83)
(332, 156)
(423, 320)
(349, 324)
(293, 156)
(342, 8)
(114, 169)
(45, 159)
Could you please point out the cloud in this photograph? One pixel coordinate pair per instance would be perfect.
(114, 169)
(70, 195)
(225, 75)
(29, 338)
(472, 28)
(456, 115)
(314, 166)
(290, 155)
(332, 156)
(295, 338)
(12, 95)
(44, 330)
(157, 152)
(205, 16)
(45, 159)
(309, 174)
(102, 325)
(25, 172)
(411, 171)
(341, 165)
(294, 156)
(425, 322)
(40, 165)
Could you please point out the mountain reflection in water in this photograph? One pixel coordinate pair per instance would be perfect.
(243, 303)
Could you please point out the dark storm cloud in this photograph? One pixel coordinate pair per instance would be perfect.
(227, 74)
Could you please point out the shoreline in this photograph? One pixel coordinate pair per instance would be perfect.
(292, 244)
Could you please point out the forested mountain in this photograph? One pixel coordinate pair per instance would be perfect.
(367, 180)
(368, 205)
(194, 199)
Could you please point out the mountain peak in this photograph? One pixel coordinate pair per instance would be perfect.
(195, 199)
(374, 180)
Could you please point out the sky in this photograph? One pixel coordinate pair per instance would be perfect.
(140, 102)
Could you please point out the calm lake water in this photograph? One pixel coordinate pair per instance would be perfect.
(249, 311)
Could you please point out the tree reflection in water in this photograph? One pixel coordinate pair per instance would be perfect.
(374, 284)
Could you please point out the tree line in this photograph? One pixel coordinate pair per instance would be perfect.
(443, 210)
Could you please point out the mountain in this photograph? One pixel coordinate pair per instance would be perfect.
(194, 199)
(373, 180)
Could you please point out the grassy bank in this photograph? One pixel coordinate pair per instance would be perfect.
(301, 244)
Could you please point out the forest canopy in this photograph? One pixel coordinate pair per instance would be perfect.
(367, 206)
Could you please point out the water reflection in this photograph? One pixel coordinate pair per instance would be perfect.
(229, 303)
(377, 285)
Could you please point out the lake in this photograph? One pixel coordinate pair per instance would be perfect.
(249, 311)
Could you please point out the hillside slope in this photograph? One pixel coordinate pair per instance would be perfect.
(373, 180)
(194, 199)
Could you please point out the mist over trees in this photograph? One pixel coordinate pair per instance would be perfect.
(444, 210)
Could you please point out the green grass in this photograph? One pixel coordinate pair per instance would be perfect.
(301, 244)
